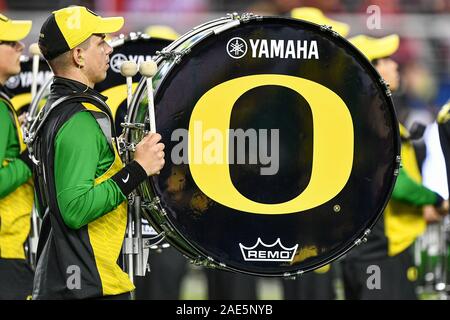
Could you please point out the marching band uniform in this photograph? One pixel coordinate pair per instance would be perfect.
(16, 189)
(390, 241)
(81, 184)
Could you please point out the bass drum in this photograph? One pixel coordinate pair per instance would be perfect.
(282, 145)
(136, 47)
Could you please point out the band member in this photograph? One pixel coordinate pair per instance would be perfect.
(388, 246)
(16, 189)
(81, 184)
(444, 136)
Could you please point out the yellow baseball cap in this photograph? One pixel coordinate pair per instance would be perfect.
(376, 48)
(316, 16)
(68, 27)
(162, 32)
(13, 30)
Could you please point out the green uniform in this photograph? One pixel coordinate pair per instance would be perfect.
(83, 187)
(16, 197)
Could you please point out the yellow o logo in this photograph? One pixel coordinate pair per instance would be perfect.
(332, 140)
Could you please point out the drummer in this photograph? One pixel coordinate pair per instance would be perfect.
(16, 191)
(390, 242)
(84, 194)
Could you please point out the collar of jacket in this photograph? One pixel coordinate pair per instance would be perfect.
(63, 86)
(5, 91)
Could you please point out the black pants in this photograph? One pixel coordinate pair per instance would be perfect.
(16, 279)
(224, 285)
(396, 278)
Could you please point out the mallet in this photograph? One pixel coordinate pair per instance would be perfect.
(148, 69)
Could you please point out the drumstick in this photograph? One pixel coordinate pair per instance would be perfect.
(128, 69)
(148, 69)
(35, 52)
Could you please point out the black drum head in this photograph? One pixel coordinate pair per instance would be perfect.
(321, 163)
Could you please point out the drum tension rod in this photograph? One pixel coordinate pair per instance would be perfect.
(130, 125)
(398, 160)
(328, 28)
(176, 56)
(363, 239)
(151, 205)
(386, 87)
(246, 17)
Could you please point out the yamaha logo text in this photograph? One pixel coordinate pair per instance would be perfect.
(273, 49)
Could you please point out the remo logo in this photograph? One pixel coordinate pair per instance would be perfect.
(333, 143)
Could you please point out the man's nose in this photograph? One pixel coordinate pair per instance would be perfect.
(20, 46)
(109, 49)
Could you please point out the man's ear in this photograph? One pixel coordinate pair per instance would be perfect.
(77, 56)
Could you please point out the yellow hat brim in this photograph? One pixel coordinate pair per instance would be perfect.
(374, 48)
(316, 16)
(109, 25)
(16, 30)
(162, 32)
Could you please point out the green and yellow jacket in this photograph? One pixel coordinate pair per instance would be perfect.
(82, 187)
(16, 190)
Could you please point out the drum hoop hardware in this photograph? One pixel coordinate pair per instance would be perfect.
(154, 204)
(207, 262)
(328, 28)
(244, 17)
(148, 245)
(386, 87)
(363, 239)
(398, 161)
(176, 56)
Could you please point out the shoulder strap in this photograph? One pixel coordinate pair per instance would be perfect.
(45, 113)
(31, 134)
(4, 96)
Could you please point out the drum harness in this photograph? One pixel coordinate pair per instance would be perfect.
(133, 246)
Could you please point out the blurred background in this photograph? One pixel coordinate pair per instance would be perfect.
(424, 27)
(423, 58)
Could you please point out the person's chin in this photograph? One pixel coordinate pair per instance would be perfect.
(15, 72)
(102, 78)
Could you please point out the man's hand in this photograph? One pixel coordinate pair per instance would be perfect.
(443, 209)
(431, 214)
(149, 154)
